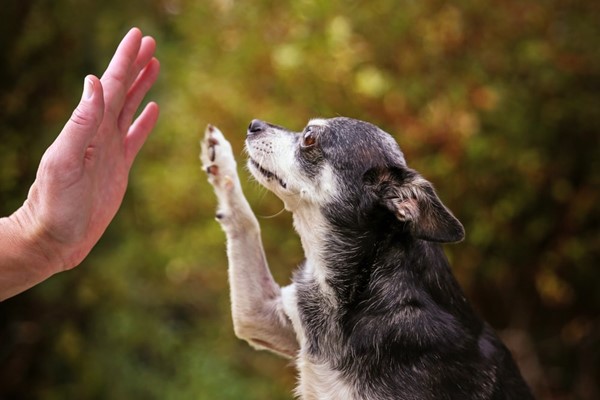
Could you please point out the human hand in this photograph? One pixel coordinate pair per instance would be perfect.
(82, 177)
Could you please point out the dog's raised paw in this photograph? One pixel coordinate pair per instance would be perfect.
(217, 158)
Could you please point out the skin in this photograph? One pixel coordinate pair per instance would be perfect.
(82, 177)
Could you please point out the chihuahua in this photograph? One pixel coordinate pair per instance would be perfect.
(374, 312)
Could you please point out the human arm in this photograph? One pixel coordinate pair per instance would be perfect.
(83, 175)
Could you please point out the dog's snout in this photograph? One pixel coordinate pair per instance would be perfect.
(256, 126)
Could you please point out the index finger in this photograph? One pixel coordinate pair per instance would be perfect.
(120, 70)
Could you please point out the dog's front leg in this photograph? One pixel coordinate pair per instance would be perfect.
(257, 308)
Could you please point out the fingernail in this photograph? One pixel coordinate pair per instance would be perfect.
(88, 89)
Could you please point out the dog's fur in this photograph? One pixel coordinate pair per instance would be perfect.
(374, 312)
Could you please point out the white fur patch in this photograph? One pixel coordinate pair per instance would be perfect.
(317, 122)
(321, 382)
(290, 307)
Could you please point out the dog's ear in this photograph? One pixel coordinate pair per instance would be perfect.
(413, 201)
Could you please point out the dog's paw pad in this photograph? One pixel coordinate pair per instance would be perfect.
(212, 170)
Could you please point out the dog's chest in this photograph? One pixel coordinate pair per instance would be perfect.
(321, 382)
(317, 379)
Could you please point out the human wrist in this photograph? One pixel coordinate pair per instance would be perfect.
(21, 267)
(32, 244)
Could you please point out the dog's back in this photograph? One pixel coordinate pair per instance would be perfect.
(410, 334)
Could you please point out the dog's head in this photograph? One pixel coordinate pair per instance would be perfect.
(350, 170)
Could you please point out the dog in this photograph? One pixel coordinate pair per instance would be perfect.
(374, 312)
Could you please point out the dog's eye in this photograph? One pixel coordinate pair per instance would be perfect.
(309, 139)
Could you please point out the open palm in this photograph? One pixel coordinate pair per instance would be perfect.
(83, 175)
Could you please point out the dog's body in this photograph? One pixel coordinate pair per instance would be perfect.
(374, 312)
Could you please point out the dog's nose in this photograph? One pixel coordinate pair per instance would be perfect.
(256, 126)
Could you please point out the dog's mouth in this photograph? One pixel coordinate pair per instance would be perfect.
(267, 174)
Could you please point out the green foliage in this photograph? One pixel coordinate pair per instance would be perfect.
(495, 102)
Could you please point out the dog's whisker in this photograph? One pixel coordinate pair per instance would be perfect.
(277, 214)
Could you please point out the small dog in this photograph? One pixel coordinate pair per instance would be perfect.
(374, 312)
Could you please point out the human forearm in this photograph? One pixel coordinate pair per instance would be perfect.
(23, 260)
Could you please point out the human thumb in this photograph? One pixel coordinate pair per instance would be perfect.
(86, 118)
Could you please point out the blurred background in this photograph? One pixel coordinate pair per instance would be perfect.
(496, 102)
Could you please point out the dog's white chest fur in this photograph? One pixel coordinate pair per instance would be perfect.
(320, 382)
(316, 380)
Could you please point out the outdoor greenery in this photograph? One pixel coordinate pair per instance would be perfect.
(496, 102)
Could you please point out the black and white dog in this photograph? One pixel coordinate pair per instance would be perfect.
(374, 312)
